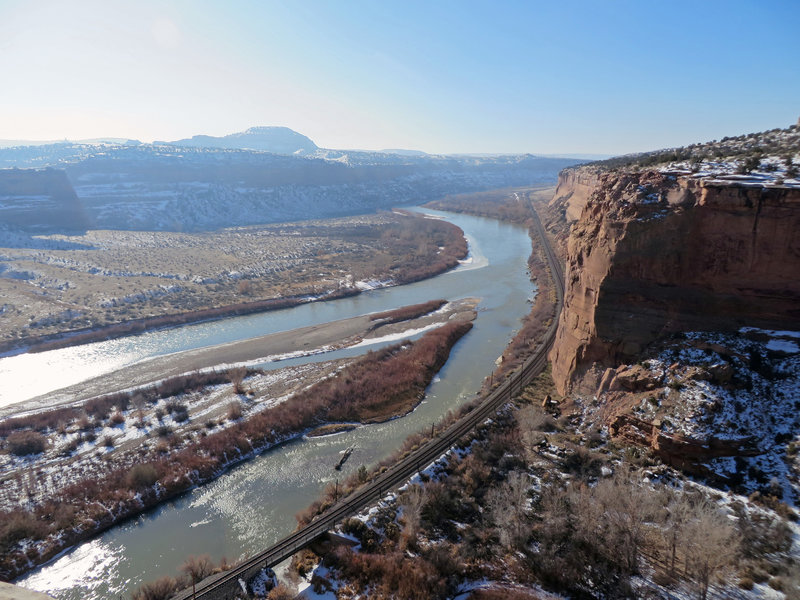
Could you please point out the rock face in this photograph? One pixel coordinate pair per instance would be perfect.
(679, 451)
(651, 254)
(575, 186)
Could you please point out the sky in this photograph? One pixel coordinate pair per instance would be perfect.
(443, 76)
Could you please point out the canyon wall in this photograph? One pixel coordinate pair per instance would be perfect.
(575, 187)
(650, 254)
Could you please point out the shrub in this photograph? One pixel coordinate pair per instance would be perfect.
(236, 376)
(178, 410)
(108, 441)
(776, 583)
(52, 419)
(181, 415)
(101, 407)
(160, 589)
(198, 567)
(142, 476)
(280, 592)
(19, 525)
(22, 443)
(234, 411)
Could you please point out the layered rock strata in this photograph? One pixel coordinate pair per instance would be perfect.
(650, 254)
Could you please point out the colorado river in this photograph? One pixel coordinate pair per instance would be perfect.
(254, 504)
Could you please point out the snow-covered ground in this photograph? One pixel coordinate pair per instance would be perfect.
(93, 447)
(742, 387)
(772, 171)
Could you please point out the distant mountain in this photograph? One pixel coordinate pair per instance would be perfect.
(18, 143)
(262, 175)
(278, 140)
(91, 142)
(405, 152)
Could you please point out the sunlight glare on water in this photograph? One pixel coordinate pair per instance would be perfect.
(28, 375)
(90, 567)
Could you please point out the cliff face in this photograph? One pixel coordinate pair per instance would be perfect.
(575, 187)
(651, 254)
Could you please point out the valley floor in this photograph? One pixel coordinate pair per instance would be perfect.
(55, 285)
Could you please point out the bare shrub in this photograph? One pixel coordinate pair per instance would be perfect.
(51, 419)
(236, 376)
(142, 476)
(160, 589)
(22, 443)
(407, 313)
(412, 501)
(18, 525)
(234, 411)
(178, 410)
(508, 507)
(101, 407)
(197, 568)
(244, 287)
(710, 545)
(280, 592)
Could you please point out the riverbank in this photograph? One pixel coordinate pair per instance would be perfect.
(139, 458)
(107, 285)
(514, 206)
(304, 341)
(87, 336)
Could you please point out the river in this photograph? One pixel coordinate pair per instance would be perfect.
(254, 504)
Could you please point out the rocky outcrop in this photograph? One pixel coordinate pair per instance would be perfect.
(679, 451)
(652, 254)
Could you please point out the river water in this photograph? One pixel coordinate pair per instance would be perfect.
(254, 504)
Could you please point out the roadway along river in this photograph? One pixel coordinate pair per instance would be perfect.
(254, 504)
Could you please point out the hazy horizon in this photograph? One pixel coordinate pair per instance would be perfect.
(445, 78)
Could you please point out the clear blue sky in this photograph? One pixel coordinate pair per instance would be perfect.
(437, 75)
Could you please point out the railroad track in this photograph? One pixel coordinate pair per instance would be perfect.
(222, 585)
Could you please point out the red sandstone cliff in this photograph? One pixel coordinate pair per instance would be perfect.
(650, 254)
